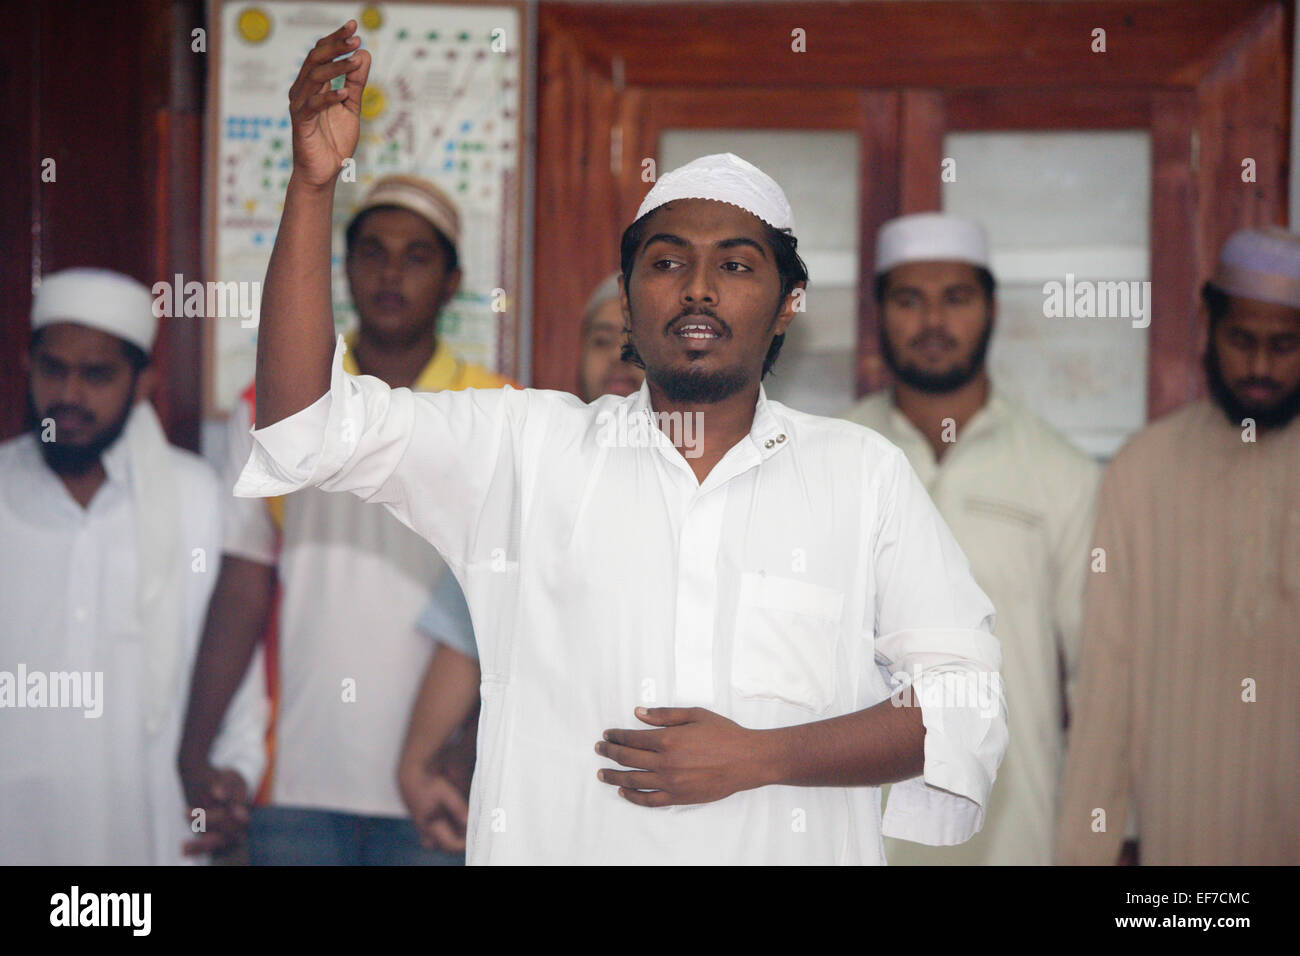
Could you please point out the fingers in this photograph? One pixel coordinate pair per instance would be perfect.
(667, 716)
(360, 72)
(313, 95)
(652, 798)
(632, 779)
(446, 838)
(322, 64)
(629, 756)
(330, 47)
(651, 740)
(449, 799)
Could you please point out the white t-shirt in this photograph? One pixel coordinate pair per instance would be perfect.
(353, 581)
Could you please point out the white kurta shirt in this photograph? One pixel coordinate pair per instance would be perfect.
(1020, 500)
(98, 790)
(603, 576)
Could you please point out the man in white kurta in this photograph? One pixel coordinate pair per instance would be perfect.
(1019, 499)
(603, 574)
(93, 781)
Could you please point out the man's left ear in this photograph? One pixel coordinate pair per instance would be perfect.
(146, 383)
(794, 303)
(451, 287)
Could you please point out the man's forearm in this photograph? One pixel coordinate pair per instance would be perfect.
(879, 745)
(237, 616)
(295, 333)
(447, 698)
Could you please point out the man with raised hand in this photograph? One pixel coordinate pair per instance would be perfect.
(734, 598)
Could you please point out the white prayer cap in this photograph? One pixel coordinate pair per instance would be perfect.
(931, 237)
(1262, 264)
(607, 291)
(99, 298)
(727, 178)
(419, 196)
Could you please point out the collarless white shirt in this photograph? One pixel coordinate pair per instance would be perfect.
(602, 576)
(1020, 500)
(99, 790)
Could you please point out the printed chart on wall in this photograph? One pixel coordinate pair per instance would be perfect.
(443, 101)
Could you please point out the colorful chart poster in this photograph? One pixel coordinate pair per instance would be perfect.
(443, 101)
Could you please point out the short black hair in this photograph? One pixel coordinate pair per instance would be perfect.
(983, 276)
(449, 255)
(136, 357)
(1217, 302)
(789, 267)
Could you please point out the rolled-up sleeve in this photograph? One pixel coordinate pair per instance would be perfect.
(934, 633)
(436, 460)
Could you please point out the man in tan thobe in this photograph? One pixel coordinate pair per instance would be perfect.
(1186, 705)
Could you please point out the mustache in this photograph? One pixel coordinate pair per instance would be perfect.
(933, 335)
(69, 411)
(1259, 383)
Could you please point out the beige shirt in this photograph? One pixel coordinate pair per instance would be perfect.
(1187, 688)
(1018, 498)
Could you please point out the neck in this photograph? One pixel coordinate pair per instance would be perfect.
(716, 430)
(398, 366)
(929, 411)
(82, 487)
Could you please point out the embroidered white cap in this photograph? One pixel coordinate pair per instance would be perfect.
(724, 177)
(1262, 264)
(931, 237)
(98, 298)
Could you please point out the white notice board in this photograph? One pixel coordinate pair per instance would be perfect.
(443, 101)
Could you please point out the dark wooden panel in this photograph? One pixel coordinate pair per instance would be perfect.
(576, 205)
(1172, 349)
(878, 191)
(19, 91)
(1089, 108)
(921, 127)
(921, 44)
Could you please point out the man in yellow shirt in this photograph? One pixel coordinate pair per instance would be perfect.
(345, 658)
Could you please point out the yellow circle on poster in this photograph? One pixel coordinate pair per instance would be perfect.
(372, 102)
(371, 18)
(254, 25)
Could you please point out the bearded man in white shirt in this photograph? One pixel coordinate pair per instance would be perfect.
(1017, 495)
(111, 547)
(753, 576)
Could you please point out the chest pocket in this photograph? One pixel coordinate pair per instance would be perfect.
(785, 639)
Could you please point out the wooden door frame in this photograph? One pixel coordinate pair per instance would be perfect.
(1202, 77)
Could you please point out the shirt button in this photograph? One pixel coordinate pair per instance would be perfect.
(80, 614)
(780, 438)
(769, 443)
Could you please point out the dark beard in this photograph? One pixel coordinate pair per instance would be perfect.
(74, 460)
(942, 382)
(695, 387)
(1276, 415)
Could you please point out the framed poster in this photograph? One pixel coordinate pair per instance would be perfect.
(443, 101)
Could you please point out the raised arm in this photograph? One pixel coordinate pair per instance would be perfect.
(295, 336)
